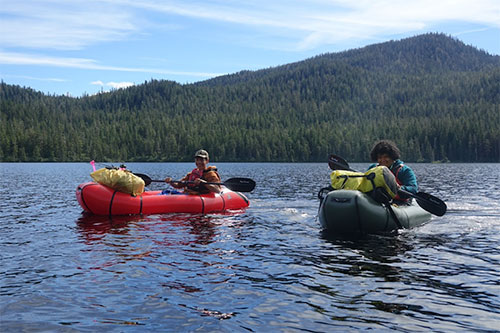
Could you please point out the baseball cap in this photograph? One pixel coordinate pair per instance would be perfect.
(201, 153)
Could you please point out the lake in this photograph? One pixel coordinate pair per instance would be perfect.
(268, 269)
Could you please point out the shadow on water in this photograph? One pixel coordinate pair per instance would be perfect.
(373, 253)
(387, 257)
(369, 257)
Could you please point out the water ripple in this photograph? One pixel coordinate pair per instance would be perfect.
(269, 268)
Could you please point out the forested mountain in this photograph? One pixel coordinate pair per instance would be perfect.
(436, 97)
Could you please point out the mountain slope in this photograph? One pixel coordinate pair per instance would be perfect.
(428, 53)
(436, 97)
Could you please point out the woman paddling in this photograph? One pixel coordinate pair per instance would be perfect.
(386, 153)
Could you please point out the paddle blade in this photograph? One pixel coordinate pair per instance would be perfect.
(146, 178)
(336, 162)
(240, 184)
(431, 204)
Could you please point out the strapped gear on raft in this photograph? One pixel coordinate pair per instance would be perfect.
(120, 180)
(378, 181)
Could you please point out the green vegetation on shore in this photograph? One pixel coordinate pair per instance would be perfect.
(436, 97)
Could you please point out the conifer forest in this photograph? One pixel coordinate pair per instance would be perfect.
(436, 97)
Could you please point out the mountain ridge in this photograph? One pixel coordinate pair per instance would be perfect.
(391, 51)
(435, 96)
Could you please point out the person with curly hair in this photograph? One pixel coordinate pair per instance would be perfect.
(386, 153)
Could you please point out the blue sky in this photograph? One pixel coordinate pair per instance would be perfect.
(83, 47)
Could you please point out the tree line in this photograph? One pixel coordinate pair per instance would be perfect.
(437, 98)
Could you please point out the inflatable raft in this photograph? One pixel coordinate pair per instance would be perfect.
(354, 212)
(102, 200)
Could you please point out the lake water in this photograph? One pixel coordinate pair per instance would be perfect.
(268, 269)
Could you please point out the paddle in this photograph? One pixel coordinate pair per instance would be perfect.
(234, 184)
(428, 202)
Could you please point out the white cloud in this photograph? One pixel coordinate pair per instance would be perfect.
(63, 25)
(470, 31)
(314, 22)
(58, 24)
(113, 85)
(120, 85)
(14, 58)
(48, 79)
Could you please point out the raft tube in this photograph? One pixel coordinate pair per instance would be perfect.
(102, 200)
(354, 212)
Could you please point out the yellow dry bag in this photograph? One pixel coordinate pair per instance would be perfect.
(376, 177)
(120, 180)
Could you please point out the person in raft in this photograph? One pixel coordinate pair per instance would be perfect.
(386, 153)
(199, 177)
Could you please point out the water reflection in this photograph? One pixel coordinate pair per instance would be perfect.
(94, 228)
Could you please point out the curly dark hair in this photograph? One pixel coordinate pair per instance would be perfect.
(385, 147)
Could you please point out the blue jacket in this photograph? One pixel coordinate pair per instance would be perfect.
(404, 176)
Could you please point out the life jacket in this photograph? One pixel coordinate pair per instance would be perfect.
(397, 197)
(377, 181)
(197, 173)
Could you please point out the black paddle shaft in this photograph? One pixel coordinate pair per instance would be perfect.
(234, 184)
